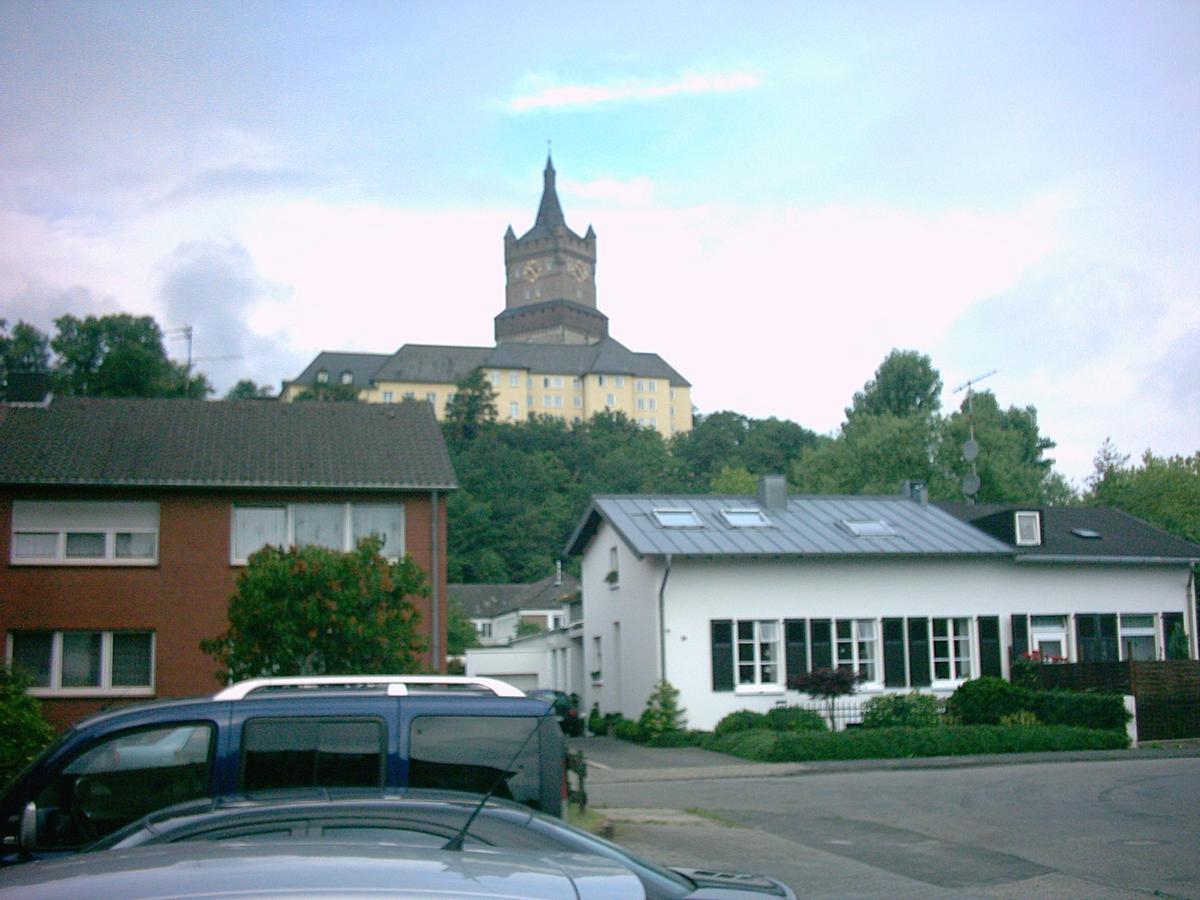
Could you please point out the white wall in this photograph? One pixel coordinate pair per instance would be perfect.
(701, 591)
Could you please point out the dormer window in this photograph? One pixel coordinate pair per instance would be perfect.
(681, 517)
(1028, 528)
(322, 377)
(745, 517)
(347, 377)
(869, 528)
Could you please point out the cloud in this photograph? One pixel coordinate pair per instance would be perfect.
(544, 93)
(630, 192)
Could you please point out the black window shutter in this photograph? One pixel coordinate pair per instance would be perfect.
(1170, 621)
(1020, 634)
(893, 653)
(989, 646)
(918, 653)
(822, 644)
(722, 655)
(1110, 650)
(795, 646)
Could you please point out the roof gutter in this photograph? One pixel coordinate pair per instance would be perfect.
(1024, 558)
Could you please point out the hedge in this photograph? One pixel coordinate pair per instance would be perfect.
(762, 745)
(985, 701)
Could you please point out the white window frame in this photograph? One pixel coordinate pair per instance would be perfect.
(105, 688)
(1150, 631)
(620, 380)
(1050, 634)
(289, 510)
(347, 377)
(60, 518)
(514, 379)
(1026, 517)
(514, 409)
(389, 396)
(855, 643)
(431, 396)
(947, 648)
(758, 657)
(745, 517)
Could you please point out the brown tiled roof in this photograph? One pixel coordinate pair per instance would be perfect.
(350, 446)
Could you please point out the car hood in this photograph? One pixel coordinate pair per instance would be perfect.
(728, 885)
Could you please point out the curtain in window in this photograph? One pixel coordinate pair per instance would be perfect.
(256, 526)
(131, 660)
(387, 521)
(320, 524)
(81, 659)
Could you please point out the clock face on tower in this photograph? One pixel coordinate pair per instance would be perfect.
(532, 270)
(580, 270)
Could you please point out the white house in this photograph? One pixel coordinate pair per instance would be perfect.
(726, 596)
(497, 611)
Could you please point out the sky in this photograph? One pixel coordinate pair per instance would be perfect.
(782, 192)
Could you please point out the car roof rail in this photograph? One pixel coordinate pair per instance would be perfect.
(396, 685)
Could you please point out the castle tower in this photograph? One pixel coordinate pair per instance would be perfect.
(550, 280)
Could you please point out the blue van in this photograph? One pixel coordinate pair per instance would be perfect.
(372, 732)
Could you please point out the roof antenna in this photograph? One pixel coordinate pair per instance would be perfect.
(971, 482)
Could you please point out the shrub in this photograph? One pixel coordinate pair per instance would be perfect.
(741, 720)
(678, 739)
(662, 714)
(23, 731)
(984, 700)
(828, 684)
(913, 710)
(628, 730)
(1106, 711)
(902, 743)
(794, 718)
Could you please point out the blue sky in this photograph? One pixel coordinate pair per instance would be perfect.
(782, 192)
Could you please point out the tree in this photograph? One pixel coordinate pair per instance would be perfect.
(248, 390)
(23, 730)
(662, 714)
(527, 629)
(828, 684)
(119, 356)
(871, 455)
(460, 633)
(905, 384)
(313, 611)
(473, 405)
(25, 350)
(1163, 490)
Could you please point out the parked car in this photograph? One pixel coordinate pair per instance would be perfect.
(419, 819)
(301, 869)
(566, 708)
(469, 734)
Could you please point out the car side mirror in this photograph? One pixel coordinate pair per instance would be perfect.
(27, 830)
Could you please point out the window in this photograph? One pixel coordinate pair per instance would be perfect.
(552, 381)
(431, 396)
(483, 629)
(856, 647)
(576, 384)
(514, 379)
(85, 663)
(1029, 529)
(614, 571)
(494, 377)
(652, 403)
(680, 517)
(639, 385)
(1048, 637)
(745, 517)
(296, 752)
(1138, 637)
(514, 409)
(338, 526)
(553, 401)
(758, 653)
(597, 659)
(620, 380)
(123, 778)
(577, 401)
(611, 400)
(652, 386)
(641, 402)
(951, 649)
(347, 377)
(322, 377)
(602, 380)
(868, 528)
(389, 396)
(465, 753)
(409, 395)
(84, 533)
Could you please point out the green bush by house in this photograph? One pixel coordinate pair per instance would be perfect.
(902, 711)
(986, 701)
(23, 731)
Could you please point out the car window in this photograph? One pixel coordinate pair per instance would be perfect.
(296, 752)
(476, 754)
(122, 778)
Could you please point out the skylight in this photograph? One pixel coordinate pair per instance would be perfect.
(677, 517)
(1086, 534)
(745, 517)
(868, 528)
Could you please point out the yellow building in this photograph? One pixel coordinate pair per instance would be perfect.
(553, 354)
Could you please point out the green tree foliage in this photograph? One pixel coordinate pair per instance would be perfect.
(827, 684)
(472, 406)
(1163, 490)
(314, 611)
(328, 393)
(26, 349)
(663, 713)
(905, 384)
(871, 455)
(248, 390)
(460, 633)
(23, 730)
(729, 440)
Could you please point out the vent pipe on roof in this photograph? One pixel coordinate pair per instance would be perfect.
(772, 492)
(915, 490)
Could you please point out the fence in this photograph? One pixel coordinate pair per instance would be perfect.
(847, 711)
(1167, 692)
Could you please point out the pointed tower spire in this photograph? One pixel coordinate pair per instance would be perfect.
(550, 214)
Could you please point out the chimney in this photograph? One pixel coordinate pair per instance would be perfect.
(915, 490)
(772, 492)
(28, 387)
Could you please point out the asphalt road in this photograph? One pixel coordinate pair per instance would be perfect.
(1085, 825)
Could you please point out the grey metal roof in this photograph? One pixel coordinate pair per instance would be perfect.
(200, 443)
(1118, 534)
(810, 526)
(362, 366)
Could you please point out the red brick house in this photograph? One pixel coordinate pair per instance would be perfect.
(124, 524)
